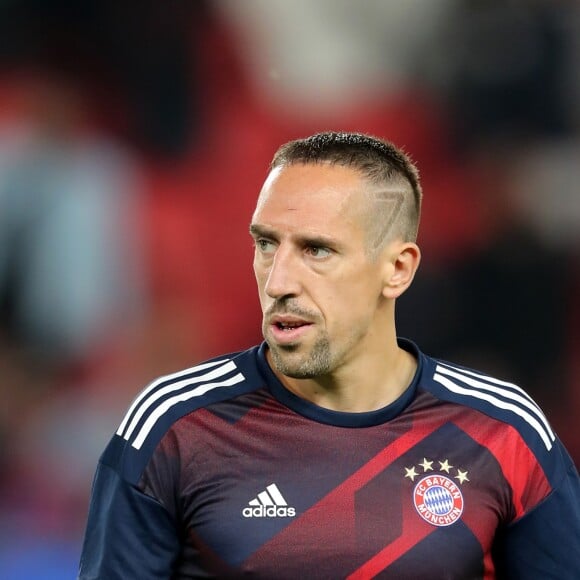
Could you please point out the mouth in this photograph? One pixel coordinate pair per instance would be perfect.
(288, 326)
(287, 330)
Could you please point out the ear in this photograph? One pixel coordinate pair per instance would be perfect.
(404, 259)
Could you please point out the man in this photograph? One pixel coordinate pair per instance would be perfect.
(334, 449)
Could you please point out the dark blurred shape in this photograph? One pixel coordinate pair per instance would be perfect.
(514, 291)
(508, 68)
(69, 257)
(504, 306)
(72, 282)
(524, 334)
(138, 60)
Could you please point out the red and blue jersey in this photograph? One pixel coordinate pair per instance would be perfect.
(219, 471)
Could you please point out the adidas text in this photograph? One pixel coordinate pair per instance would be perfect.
(270, 511)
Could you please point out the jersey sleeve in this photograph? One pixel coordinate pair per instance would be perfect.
(129, 534)
(544, 544)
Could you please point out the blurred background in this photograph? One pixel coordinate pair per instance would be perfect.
(134, 138)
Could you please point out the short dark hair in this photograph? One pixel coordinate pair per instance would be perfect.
(378, 160)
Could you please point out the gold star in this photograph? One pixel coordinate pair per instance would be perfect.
(461, 476)
(411, 473)
(444, 465)
(426, 465)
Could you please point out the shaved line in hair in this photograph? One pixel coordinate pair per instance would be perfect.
(396, 200)
(382, 215)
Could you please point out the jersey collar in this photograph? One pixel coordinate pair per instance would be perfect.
(339, 418)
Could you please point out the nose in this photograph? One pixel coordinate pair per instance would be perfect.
(282, 278)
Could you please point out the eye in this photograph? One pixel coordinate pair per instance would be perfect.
(265, 246)
(318, 252)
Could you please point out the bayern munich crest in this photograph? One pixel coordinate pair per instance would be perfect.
(438, 498)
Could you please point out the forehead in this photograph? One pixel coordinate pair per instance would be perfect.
(318, 197)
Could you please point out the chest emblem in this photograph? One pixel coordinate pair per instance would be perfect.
(269, 503)
(437, 496)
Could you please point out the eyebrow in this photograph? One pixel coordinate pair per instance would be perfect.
(258, 231)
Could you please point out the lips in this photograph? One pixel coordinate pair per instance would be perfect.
(289, 325)
(287, 329)
(288, 322)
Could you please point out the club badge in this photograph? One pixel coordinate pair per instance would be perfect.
(437, 497)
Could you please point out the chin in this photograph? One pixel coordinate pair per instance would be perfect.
(287, 361)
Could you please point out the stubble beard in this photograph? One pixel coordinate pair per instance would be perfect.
(291, 363)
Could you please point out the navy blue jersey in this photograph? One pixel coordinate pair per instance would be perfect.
(218, 471)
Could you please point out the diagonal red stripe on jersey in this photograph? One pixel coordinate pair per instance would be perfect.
(380, 461)
(516, 460)
(389, 554)
(336, 512)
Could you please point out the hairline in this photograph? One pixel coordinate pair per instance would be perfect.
(380, 190)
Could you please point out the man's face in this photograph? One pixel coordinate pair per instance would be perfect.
(318, 287)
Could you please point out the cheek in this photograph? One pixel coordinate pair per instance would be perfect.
(261, 278)
(338, 304)
(353, 301)
(259, 275)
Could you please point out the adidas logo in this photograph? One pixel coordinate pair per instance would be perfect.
(269, 503)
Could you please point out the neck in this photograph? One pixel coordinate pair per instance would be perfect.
(367, 384)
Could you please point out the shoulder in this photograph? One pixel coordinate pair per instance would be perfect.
(502, 409)
(169, 398)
